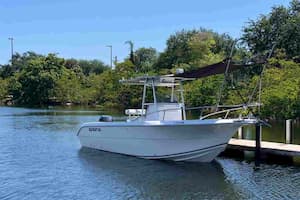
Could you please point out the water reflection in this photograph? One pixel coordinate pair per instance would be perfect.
(275, 133)
(148, 179)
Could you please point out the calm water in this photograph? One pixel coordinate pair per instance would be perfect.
(41, 158)
(275, 133)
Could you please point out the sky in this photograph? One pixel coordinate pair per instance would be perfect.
(82, 28)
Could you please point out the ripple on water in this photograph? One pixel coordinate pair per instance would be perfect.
(41, 158)
(270, 182)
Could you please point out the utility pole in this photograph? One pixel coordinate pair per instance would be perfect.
(111, 59)
(115, 60)
(11, 48)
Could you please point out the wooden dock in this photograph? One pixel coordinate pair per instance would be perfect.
(266, 147)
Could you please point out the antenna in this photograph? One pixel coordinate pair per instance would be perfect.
(225, 74)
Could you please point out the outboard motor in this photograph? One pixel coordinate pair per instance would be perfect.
(105, 118)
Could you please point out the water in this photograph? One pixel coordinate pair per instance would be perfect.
(275, 133)
(41, 158)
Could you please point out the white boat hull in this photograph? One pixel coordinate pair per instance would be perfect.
(192, 140)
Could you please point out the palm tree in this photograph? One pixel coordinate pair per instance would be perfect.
(131, 55)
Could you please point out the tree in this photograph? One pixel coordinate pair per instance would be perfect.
(145, 58)
(281, 90)
(3, 88)
(125, 68)
(68, 88)
(194, 48)
(108, 89)
(280, 27)
(177, 51)
(131, 54)
(6, 71)
(92, 66)
(38, 78)
(202, 91)
(202, 45)
(19, 62)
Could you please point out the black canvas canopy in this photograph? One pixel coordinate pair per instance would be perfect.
(213, 69)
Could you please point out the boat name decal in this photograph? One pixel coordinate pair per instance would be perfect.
(94, 129)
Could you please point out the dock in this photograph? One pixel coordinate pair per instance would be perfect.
(272, 148)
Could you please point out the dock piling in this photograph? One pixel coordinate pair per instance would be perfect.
(288, 131)
(258, 128)
(240, 133)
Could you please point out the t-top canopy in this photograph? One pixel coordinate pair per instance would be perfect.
(171, 80)
(214, 69)
(164, 81)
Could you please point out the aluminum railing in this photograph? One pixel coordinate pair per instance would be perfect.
(226, 112)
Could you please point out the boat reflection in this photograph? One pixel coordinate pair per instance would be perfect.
(159, 179)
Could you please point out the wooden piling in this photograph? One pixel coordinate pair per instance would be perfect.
(257, 144)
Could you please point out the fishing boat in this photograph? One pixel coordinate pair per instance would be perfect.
(160, 129)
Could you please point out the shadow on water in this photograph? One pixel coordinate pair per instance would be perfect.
(55, 113)
(151, 179)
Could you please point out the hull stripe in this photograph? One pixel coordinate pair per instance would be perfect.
(183, 153)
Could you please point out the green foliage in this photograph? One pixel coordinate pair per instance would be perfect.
(178, 50)
(6, 71)
(125, 68)
(281, 91)
(87, 67)
(194, 48)
(35, 79)
(38, 78)
(19, 61)
(281, 26)
(145, 59)
(14, 86)
(68, 88)
(202, 91)
(202, 45)
(93, 66)
(3, 88)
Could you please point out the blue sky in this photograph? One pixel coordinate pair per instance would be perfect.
(82, 28)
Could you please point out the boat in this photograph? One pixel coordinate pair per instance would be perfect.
(160, 129)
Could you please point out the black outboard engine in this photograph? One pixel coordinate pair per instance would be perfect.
(105, 118)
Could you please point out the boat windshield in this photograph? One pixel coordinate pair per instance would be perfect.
(161, 94)
(161, 98)
(157, 81)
